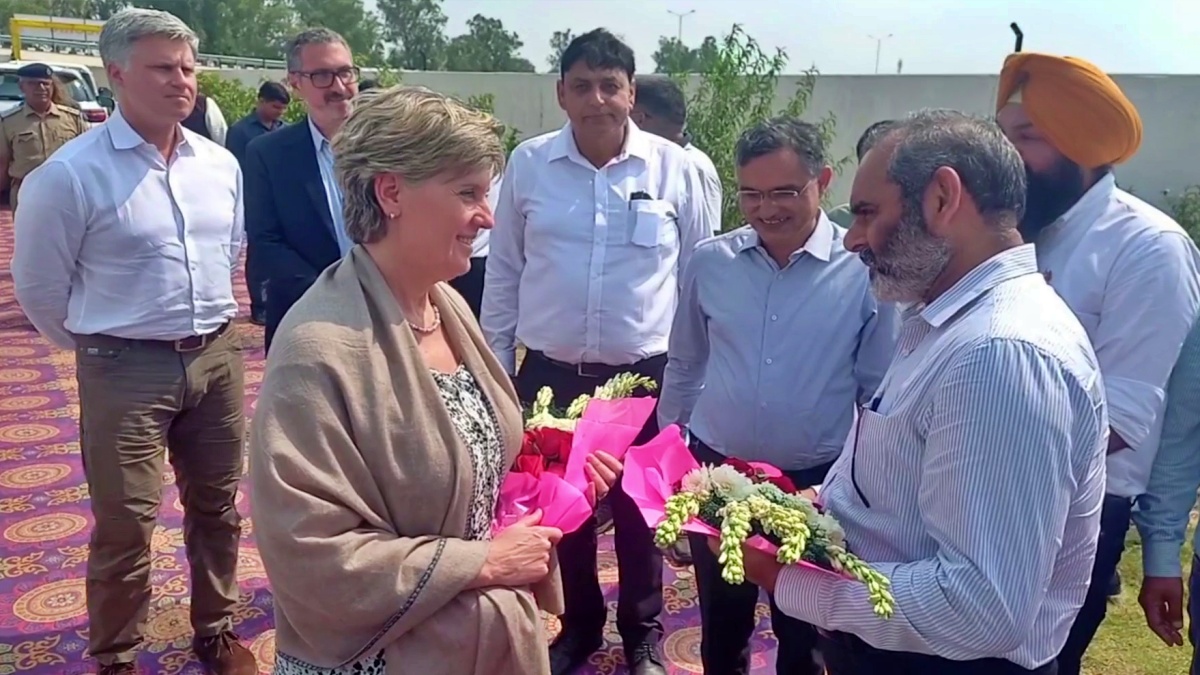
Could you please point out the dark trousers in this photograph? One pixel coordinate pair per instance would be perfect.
(848, 655)
(1194, 615)
(470, 285)
(141, 405)
(639, 562)
(255, 282)
(1114, 523)
(728, 612)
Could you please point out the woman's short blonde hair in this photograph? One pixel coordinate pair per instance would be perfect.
(415, 133)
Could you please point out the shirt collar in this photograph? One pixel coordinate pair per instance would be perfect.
(637, 144)
(1083, 210)
(1002, 267)
(257, 121)
(319, 140)
(819, 245)
(124, 137)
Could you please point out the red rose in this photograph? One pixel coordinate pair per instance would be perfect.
(530, 464)
(743, 467)
(529, 443)
(783, 483)
(554, 445)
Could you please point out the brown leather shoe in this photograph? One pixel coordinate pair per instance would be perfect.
(118, 669)
(224, 655)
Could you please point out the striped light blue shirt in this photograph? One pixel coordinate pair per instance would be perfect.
(1162, 513)
(767, 363)
(333, 191)
(976, 484)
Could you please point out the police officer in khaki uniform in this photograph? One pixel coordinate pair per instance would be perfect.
(33, 131)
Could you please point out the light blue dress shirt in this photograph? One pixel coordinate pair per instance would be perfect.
(333, 191)
(976, 483)
(767, 363)
(1162, 513)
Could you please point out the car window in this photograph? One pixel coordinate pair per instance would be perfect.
(10, 91)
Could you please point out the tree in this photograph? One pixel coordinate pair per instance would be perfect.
(350, 18)
(486, 47)
(673, 56)
(256, 28)
(558, 45)
(737, 88)
(417, 31)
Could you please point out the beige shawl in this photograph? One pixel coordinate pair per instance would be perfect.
(361, 489)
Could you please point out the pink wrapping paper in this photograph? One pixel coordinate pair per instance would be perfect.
(651, 472)
(563, 505)
(610, 426)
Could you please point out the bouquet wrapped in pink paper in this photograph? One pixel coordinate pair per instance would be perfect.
(548, 474)
(741, 503)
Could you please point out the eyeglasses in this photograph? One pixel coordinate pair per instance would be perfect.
(754, 198)
(323, 79)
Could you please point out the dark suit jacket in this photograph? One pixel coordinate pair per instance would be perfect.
(287, 217)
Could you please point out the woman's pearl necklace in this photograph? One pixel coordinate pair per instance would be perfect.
(433, 325)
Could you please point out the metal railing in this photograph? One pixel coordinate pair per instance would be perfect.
(88, 48)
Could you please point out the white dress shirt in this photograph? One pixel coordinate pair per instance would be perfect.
(974, 480)
(214, 121)
(111, 239)
(767, 363)
(711, 180)
(584, 263)
(1132, 276)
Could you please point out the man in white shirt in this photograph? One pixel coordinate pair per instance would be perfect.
(974, 479)
(125, 251)
(736, 378)
(594, 224)
(661, 109)
(1128, 271)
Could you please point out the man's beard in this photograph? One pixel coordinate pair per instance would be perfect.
(911, 261)
(1049, 195)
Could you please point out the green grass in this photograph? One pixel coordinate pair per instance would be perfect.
(1124, 645)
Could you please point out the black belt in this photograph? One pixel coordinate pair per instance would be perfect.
(190, 343)
(596, 370)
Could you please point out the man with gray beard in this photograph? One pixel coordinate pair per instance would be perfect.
(973, 479)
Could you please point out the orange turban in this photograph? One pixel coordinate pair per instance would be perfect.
(1082, 112)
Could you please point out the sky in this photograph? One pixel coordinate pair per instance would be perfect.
(840, 36)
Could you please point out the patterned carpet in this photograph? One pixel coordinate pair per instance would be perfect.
(44, 521)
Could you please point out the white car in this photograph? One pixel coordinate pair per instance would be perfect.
(78, 79)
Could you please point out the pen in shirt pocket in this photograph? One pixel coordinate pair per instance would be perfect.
(638, 196)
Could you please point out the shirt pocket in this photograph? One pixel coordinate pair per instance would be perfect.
(877, 460)
(652, 223)
(27, 146)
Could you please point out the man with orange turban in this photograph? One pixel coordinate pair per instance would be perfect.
(1127, 270)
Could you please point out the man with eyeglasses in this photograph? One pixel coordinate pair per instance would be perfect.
(735, 377)
(293, 201)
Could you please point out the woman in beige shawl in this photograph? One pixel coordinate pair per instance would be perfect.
(385, 426)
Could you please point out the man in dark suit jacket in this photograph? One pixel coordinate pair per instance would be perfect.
(293, 203)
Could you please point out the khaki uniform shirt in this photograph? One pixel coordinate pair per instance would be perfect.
(27, 139)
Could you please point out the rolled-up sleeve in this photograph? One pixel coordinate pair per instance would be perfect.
(48, 234)
(1163, 512)
(1150, 303)
(995, 493)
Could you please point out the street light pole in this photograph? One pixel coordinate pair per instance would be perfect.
(878, 48)
(681, 16)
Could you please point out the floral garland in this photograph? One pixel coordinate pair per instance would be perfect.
(742, 501)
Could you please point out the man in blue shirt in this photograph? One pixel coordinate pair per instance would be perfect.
(1164, 511)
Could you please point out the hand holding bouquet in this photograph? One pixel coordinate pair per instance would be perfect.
(744, 504)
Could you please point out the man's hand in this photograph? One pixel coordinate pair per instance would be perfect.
(1162, 602)
(762, 569)
(602, 470)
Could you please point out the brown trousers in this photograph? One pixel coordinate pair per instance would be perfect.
(139, 399)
